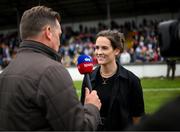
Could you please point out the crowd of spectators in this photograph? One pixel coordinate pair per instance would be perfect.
(141, 43)
(9, 44)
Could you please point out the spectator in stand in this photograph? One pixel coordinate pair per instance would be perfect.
(132, 55)
(36, 91)
(155, 55)
(6, 55)
(125, 57)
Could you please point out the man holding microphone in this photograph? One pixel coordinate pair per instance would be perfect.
(36, 91)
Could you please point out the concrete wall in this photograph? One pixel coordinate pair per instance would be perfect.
(147, 70)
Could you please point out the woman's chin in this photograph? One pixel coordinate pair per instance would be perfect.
(100, 62)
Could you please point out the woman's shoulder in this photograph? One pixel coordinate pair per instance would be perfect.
(95, 69)
(129, 74)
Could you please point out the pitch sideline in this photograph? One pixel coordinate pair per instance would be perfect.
(153, 89)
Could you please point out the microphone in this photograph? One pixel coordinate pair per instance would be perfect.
(85, 66)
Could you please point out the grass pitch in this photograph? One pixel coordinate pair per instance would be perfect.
(157, 91)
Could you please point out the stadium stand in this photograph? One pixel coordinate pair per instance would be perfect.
(141, 33)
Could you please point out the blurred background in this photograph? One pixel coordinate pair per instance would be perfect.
(82, 19)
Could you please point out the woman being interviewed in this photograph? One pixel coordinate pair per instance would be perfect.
(119, 90)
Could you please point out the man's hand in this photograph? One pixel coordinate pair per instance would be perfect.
(92, 98)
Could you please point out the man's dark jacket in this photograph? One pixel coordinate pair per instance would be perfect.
(37, 93)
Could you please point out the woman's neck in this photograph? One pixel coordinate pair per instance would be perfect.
(108, 70)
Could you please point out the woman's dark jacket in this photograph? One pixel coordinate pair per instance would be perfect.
(37, 93)
(126, 98)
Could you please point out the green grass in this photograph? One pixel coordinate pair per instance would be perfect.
(160, 83)
(153, 99)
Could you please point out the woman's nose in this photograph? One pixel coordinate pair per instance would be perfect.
(99, 51)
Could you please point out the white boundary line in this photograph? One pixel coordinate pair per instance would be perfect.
(152, 89)
(160, 89)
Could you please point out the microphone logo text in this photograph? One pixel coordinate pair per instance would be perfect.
(87, 59)
(89, 64)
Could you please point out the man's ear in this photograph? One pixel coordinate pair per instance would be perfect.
(48, 32)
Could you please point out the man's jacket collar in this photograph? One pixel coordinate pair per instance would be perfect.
(40, 48)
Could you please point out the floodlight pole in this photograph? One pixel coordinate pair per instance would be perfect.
(108, 13)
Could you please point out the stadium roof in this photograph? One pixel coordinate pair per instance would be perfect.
(86, 10)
